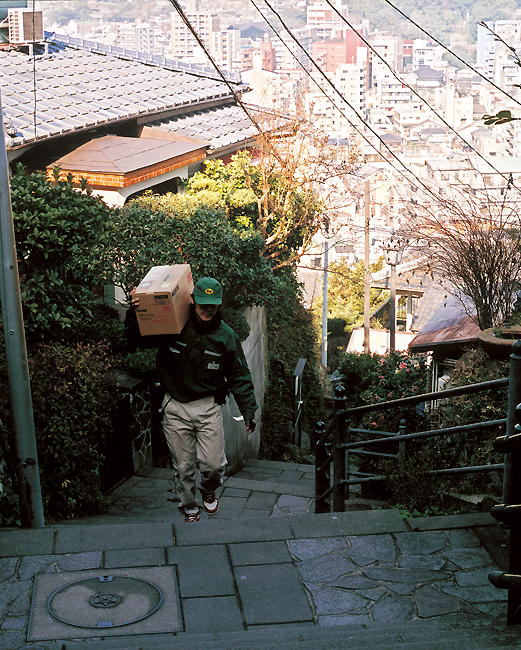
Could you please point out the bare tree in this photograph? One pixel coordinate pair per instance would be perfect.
(299, 170)
(471, 238)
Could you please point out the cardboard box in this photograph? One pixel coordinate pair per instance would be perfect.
(164, 299)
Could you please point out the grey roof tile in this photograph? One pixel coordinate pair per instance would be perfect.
(79, 89)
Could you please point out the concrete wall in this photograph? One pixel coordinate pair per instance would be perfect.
(239, 447)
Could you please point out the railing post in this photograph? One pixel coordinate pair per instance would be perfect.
(321, 475)
(512, 483)
(339, 463)
(402, 431)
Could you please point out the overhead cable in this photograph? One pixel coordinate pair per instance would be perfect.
(442, 120)
(433, 38)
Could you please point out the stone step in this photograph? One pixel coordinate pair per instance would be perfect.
(407, 635)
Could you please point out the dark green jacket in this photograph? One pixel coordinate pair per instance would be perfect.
(204, 359)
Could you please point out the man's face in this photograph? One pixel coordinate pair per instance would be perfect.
(206, 312)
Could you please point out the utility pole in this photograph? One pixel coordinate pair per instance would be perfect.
(24, 443)
(367, 277)
(324, 298)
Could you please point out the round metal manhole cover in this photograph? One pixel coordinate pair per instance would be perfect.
(105, 601)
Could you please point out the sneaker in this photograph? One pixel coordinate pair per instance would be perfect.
(211, 503)
(191, 515)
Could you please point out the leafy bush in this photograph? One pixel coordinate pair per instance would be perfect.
(237, 321)
(475, 447)
(72, 415)
(181, 229)
(60, 237)
(291, 336)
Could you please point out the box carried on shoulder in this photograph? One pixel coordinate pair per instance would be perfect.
(164, 299)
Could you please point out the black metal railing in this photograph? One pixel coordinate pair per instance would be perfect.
(334, 447)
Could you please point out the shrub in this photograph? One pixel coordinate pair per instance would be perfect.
(237, 321)
(72, 415)
(60, 238)
(291, 336)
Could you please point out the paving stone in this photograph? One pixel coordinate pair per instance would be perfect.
(305, 549)
(392, 608)
(261, 500)
(15, 543)
(21, 606)
(259, 553)
(467, 558)
(333, 601)
(462, 538)
(349, 619)
(451, 521)
(358, 582)
(262, 604)
(235, 492)
(203, 571)
(81, 561)
(229, 532)
(7, 567)
(433, 562)
(249, 484)
(134, 558)
(10, 640)
(295, 489)
(12, 590)
(292, 505)
(74, 539)
(347, 523)
(372, 548)
(29, 566)
(480, 594)
(474, 577)
(325, 568)
(229, 508)
(16, 623)
(289, 477)
(404, 575)
(212, 615)
(422, 543)
(433, 602)
(250, 513)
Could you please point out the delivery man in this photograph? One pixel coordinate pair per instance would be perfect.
(197, 368)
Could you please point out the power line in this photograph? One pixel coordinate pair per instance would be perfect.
(505, 177)
(433, 38)
(418, 180)
(202, 45)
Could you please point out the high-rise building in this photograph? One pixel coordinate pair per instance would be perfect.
(323, 21)
(184, 44)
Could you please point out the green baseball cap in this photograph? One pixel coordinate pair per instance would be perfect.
(208, 291)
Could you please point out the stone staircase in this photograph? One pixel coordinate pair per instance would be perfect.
(457, 634)
(266, 572)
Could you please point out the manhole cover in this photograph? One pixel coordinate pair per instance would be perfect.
(86, 604)
(105, 601)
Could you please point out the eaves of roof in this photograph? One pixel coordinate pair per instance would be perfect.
(119, 155)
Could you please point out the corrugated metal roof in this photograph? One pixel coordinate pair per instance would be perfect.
(78, 89)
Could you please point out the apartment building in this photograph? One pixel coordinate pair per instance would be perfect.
(323, 21)
(183, 44)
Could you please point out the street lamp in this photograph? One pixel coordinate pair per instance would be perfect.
(393, 251)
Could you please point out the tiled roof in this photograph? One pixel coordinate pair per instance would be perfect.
(222, 127)
(77, 90)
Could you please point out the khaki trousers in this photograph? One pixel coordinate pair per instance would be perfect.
(195, 436)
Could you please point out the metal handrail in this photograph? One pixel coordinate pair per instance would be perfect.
(509, 512)
(428, 397)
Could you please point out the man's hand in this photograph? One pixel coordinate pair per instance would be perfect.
(250, 426)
